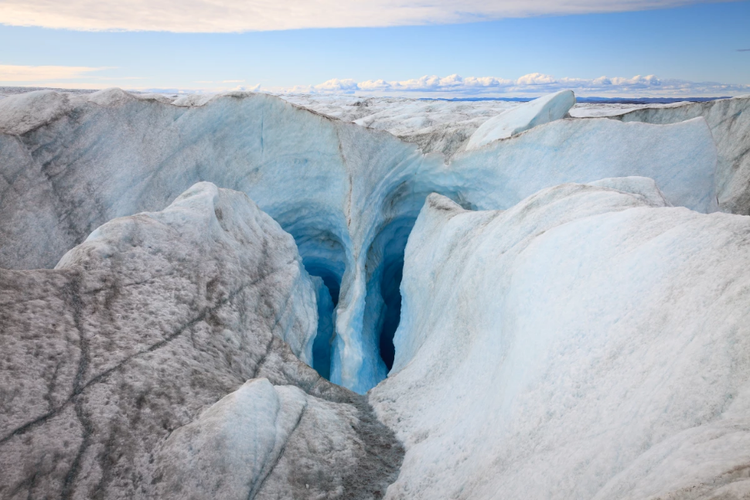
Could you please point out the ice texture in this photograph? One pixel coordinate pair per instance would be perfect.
(436, 126)
(161, 358)
(522, 117)
(571, 322)
(589, 342)
(336, 187)
(730, 127)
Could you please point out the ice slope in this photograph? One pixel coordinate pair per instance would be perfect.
(69, 163)
(109, 361)
(589, 342)
(522, 117)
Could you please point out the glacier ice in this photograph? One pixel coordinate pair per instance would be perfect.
(557, 314)
(244, 431)
(435, 126)
(730, 127)
(335, 187)
(161, 358)
(522, 117)
(589, 342)
(321, 351)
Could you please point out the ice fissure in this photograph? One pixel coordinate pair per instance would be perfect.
(347, 194)
(550, 309)
(385, 266)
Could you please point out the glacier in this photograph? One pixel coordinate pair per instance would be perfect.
(549, 307)
(334, 186)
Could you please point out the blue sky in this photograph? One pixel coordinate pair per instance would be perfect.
(682, 46)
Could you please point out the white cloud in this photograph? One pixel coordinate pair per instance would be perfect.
(42, 73)
(220, 81)
(336, 85)
(262, 15)
(527, 85)
(533, 84)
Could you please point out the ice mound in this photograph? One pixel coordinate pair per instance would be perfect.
(589, 342)
(523, 117)
(244, 431)
(24, 112)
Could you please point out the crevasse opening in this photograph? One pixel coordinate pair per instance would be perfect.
(327, 295)
(390, 289)
(385, 265)
(324, 259)
(366, 346)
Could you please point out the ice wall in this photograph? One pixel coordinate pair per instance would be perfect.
(69, 163)
(729, 122)
(589, 342)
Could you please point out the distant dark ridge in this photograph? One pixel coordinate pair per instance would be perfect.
(597, 100)
(646, 100)
(22, 90)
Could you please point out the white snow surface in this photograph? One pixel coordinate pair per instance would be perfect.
(589, 342)
(522, 117)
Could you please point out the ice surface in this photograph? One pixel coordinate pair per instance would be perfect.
(586, 343)
(434, 125)
(110, 360)
(681, 161)
(522, 117)
(245, 432)
(443, 126)
(730, 127)
(335, 187)
(571, 322)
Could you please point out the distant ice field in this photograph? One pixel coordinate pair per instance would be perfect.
(442, 125)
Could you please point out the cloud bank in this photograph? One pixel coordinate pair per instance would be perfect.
(214, 16)
(533, 84)
(10, 73)
(527, 85)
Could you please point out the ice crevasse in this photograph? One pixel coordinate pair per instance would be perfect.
(348, 195)
(557, 310)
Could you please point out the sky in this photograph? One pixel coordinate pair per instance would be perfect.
(441, 48)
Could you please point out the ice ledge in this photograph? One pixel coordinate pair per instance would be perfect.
(523, 117)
